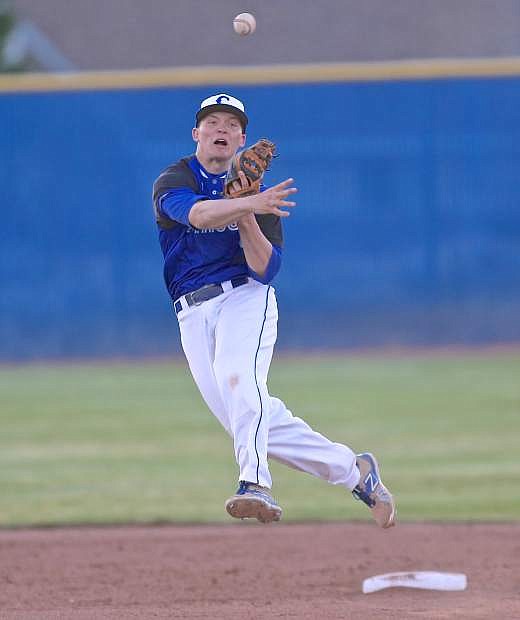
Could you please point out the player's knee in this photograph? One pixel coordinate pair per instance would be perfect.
(232, 376)
(229, 377)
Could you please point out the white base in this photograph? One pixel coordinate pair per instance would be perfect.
(425, 580)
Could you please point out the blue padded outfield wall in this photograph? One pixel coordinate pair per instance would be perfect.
(407, 229)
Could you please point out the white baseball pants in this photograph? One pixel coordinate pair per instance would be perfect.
(228, 342)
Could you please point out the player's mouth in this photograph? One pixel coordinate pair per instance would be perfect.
(220, 142)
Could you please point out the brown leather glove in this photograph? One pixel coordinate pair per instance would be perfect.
(253, 161)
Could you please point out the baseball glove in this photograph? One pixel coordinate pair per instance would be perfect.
(253, 162)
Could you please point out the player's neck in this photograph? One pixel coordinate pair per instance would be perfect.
(214, 165)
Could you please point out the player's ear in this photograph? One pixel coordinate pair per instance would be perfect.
(195, 134)
(243, 141)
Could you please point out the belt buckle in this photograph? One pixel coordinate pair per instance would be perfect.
(200, 290)
(194, 300)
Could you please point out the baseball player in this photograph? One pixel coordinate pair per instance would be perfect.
(220, 256)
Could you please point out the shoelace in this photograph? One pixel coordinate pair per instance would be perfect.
(242, 487)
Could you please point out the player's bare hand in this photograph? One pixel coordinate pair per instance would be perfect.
(274, 200)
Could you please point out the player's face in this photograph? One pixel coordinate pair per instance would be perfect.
(218, 136)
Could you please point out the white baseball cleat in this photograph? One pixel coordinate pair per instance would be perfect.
(371, 490)
(251, 501)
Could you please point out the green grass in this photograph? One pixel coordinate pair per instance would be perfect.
(134, 442)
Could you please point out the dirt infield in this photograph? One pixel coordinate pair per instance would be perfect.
(245, 570)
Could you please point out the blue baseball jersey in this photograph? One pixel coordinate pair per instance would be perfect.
(194, 257)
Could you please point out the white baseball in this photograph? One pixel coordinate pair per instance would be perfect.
(244, 24)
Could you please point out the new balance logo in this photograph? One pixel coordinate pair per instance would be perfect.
(371, 482)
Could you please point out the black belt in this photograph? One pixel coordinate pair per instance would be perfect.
(209, 291)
